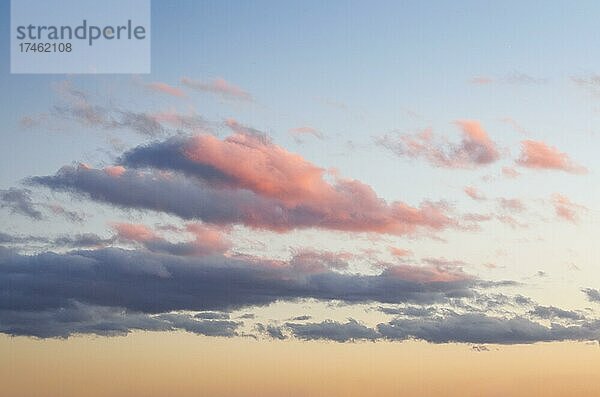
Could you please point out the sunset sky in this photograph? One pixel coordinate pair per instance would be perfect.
(309, 199)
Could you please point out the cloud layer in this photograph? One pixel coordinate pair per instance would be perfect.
(50, 294)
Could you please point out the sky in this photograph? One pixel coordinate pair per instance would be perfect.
(309, 199)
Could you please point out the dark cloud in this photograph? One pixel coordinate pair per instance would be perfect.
(332, 330)
(172, 194)
(592, 294)
(209, 327)
(410, 311)
(110, 291)
(18, 201)
(6, 238)
(77, 318)
(481, 329)
(496, 301)
(145, 282)
(82, 240)
(301, 318)
(169, 156)
(551, 312)
(212, 316)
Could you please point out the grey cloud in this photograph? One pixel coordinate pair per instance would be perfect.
(18, 201)
(153, 283)
(480, 348)
(592, 294)
(410, 311)
(176, 195)
(77, 318)
(139, 122)
(82, 240)
(481, 329)
(332, 330)
(219, 87)
(520, 78)
(72, 216)
(551, 312)
(169, 155)
(212, 316)
(210, 327)
(271, 330)
(189, 198)
(301, 318)
(37, 290)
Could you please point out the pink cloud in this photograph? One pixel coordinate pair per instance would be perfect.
(475, 194)
(482, 80)
(515, 125)
(271, 171)
(511, 221)
(399, 252)
(309, 261)
(219, 87)
(566, 209)
(510, 172)
(514, 205)
(538, 155)
(165, 89)
(242, 129)
(427, 274)
(475, 149)
(207, 239)
(115, 170)
(134, 232)
(298, 132)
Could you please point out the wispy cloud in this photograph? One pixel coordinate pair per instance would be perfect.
(566, 209)
(19, 201)
(474, 193)
(78, 107)
(165, 88)
(219, 87)
(512, 78)
(475, 150)
(299, 132)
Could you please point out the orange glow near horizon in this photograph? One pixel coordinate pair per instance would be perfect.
(184, 365)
